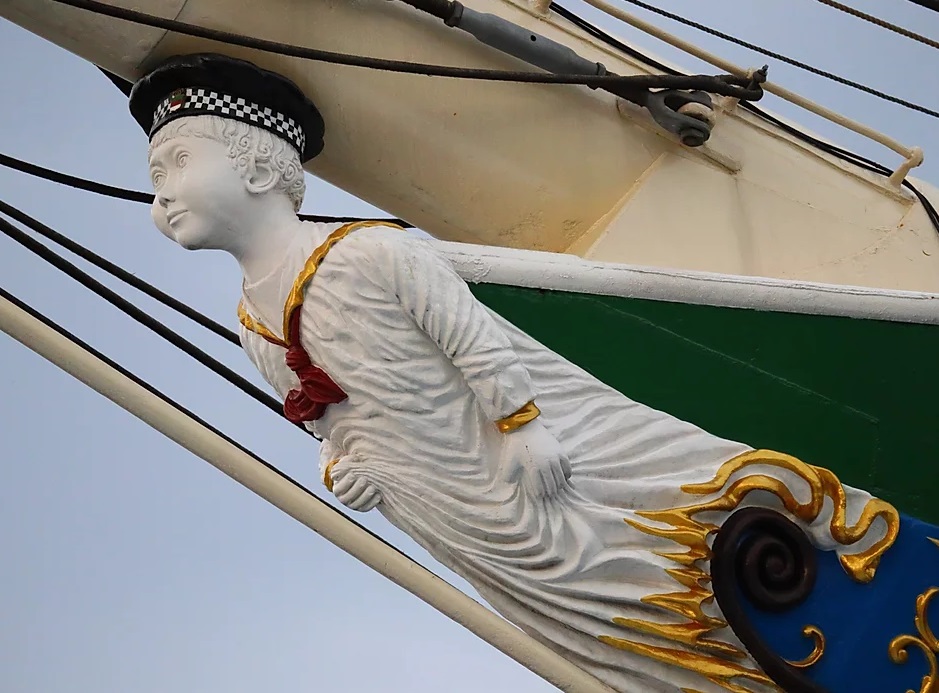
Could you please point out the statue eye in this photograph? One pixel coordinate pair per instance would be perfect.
(182, 159)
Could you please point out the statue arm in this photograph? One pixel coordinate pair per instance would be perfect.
(441, 304)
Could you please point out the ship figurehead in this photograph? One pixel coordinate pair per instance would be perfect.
(647, 551)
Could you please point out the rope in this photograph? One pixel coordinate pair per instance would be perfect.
(153, 390)
(780, 57)
(136, 313)
(881, 23)
(928, 4)
(145, 198)
(838, 152)
(119, 273)
(724, 85)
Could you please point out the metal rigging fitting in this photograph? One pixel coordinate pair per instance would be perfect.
(667, 106)
(666, 109)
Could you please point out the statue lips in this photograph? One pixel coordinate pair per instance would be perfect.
(174, 215)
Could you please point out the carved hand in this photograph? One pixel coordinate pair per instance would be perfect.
(351, 485)
(533, 455)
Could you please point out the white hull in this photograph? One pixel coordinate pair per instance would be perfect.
(555, 168)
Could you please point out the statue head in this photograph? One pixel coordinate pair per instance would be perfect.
(227, 142)
(213, 175)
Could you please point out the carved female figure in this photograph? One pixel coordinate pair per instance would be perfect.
(513, 467)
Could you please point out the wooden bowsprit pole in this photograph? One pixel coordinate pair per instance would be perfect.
(73, 358)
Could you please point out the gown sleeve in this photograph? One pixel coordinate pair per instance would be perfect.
(430, 291)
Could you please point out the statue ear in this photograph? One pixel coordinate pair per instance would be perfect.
(261, 177)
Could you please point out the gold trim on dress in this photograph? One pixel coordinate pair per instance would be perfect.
(255, 326)
(295, 297)
(682, 527)
(515, 421)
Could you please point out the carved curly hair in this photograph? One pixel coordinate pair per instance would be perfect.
(244, 142)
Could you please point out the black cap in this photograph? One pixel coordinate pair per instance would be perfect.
(211, 84)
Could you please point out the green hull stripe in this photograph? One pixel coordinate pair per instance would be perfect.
(856, 396)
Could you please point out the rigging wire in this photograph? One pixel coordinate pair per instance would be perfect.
(928, 4)
(881, 23)
(74, 181)
(131, 310)
(610, 40)
(119, 273)
(183, 410)
(724, 85)
(143, 197)
(834, 150)
(780, 57)
(213, 326)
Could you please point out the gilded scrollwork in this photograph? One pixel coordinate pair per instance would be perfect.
(751, 472)
(818, 650)
(926, 642)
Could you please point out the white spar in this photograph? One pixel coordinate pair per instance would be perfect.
(293, 500)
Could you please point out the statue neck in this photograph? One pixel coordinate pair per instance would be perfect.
(263, 250)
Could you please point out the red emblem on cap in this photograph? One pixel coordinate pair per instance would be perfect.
(177, 99)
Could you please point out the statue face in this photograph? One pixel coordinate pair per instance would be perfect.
(200, 197)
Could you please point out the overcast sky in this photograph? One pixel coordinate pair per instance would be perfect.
(128, 565)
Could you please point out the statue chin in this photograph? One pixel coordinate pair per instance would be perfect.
(192, 239)
(191, 243)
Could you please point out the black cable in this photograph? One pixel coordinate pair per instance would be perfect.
(118, 272)
(606, 38)
(75, 181)
(146, 198)
(725, 85)
(139, 315)
(928, 4)
(327, 219)
(178, 407)
(882, 23)
(780, 57)
(843, 154)
(851, 157)
(496, 75)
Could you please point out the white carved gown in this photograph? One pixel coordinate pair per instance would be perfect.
(427, 370)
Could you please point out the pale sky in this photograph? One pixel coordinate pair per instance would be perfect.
(127, 564)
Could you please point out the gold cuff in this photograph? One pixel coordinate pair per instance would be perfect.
(327, 475)
(515, 421)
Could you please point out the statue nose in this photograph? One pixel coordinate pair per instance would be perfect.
(165, 194)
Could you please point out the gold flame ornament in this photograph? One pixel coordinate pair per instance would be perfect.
(713, 658)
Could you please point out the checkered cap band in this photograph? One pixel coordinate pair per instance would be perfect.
(198, 100)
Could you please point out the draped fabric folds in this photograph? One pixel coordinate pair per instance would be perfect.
(427, 370)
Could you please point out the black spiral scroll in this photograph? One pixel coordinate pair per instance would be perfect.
(760, 556)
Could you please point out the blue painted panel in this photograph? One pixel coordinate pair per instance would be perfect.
(859, 621)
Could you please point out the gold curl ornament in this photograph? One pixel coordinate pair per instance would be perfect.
(927, 642)
(708, 656)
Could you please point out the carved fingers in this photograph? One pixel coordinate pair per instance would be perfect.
(533, 457)
(547, 476)
(351, 486)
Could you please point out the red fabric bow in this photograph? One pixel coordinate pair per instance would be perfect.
(317, 390)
